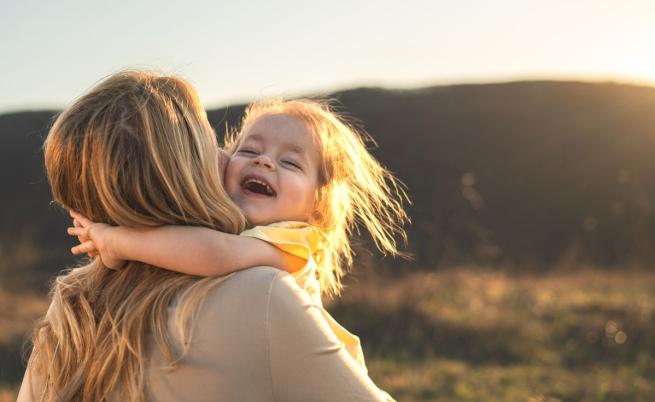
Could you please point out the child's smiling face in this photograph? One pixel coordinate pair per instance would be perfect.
(273, 173)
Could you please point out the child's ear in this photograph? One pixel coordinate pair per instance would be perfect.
(316, 216)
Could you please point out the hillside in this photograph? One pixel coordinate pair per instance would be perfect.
(522, 174)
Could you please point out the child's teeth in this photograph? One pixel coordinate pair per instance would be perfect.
(266, 186)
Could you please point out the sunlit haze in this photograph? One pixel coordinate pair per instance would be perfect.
(238, 51)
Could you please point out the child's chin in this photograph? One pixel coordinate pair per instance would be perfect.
(254, 220)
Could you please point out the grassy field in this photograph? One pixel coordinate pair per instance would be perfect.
(17, 316)
(476, 335)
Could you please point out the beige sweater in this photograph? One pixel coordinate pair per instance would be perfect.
(259, 337)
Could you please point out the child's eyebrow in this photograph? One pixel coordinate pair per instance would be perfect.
(293, 148)
(289, 147)
(254, 137)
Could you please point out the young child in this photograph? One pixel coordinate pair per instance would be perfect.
(303, 179)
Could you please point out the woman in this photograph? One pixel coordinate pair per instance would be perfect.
(138, 151)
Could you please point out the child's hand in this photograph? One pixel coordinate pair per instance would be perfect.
(95, 238)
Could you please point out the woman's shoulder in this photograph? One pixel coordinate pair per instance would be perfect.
(238, 304)
(238, 311)
(250, 287)
(228, 346)
(259, 274)
(254, 279)
(255, 293)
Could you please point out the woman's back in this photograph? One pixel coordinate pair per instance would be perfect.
(137, 151)
(259, 337)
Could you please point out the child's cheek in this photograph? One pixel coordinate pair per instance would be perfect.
(225, 164)
(224, 160)
(230, 177)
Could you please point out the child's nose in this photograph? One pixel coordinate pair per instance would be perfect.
(265, 161)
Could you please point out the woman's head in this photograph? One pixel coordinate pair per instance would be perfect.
(136, 150)
(346, 183)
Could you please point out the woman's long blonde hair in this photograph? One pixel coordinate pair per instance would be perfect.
(136, 151)
(354, 188)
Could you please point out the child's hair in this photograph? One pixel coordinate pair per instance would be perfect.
(353, 186)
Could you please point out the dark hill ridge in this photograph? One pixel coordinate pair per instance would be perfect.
(521, 173)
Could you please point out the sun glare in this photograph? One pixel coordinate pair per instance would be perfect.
(631, 58)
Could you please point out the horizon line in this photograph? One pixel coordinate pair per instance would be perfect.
(473, 81)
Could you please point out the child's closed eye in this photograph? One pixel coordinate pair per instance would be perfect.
(292, 163)
(248, 151)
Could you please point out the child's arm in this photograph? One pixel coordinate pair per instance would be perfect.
(187, 249)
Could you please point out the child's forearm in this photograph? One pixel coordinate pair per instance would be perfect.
(195, 250)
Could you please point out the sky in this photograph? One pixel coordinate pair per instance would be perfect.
(53, 51)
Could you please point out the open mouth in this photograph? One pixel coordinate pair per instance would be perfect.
(258, 186)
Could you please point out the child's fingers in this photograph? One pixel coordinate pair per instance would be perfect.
(78, 231)
(76, 223)
(80, 218)
(81, 238)
(86, 247)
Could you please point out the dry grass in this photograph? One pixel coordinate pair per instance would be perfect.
(475, 334)
(447, 380)
(471, 334)
(18, 314)
(17, 318)
(7, 394)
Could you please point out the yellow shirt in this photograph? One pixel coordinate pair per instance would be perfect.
(303, 240)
